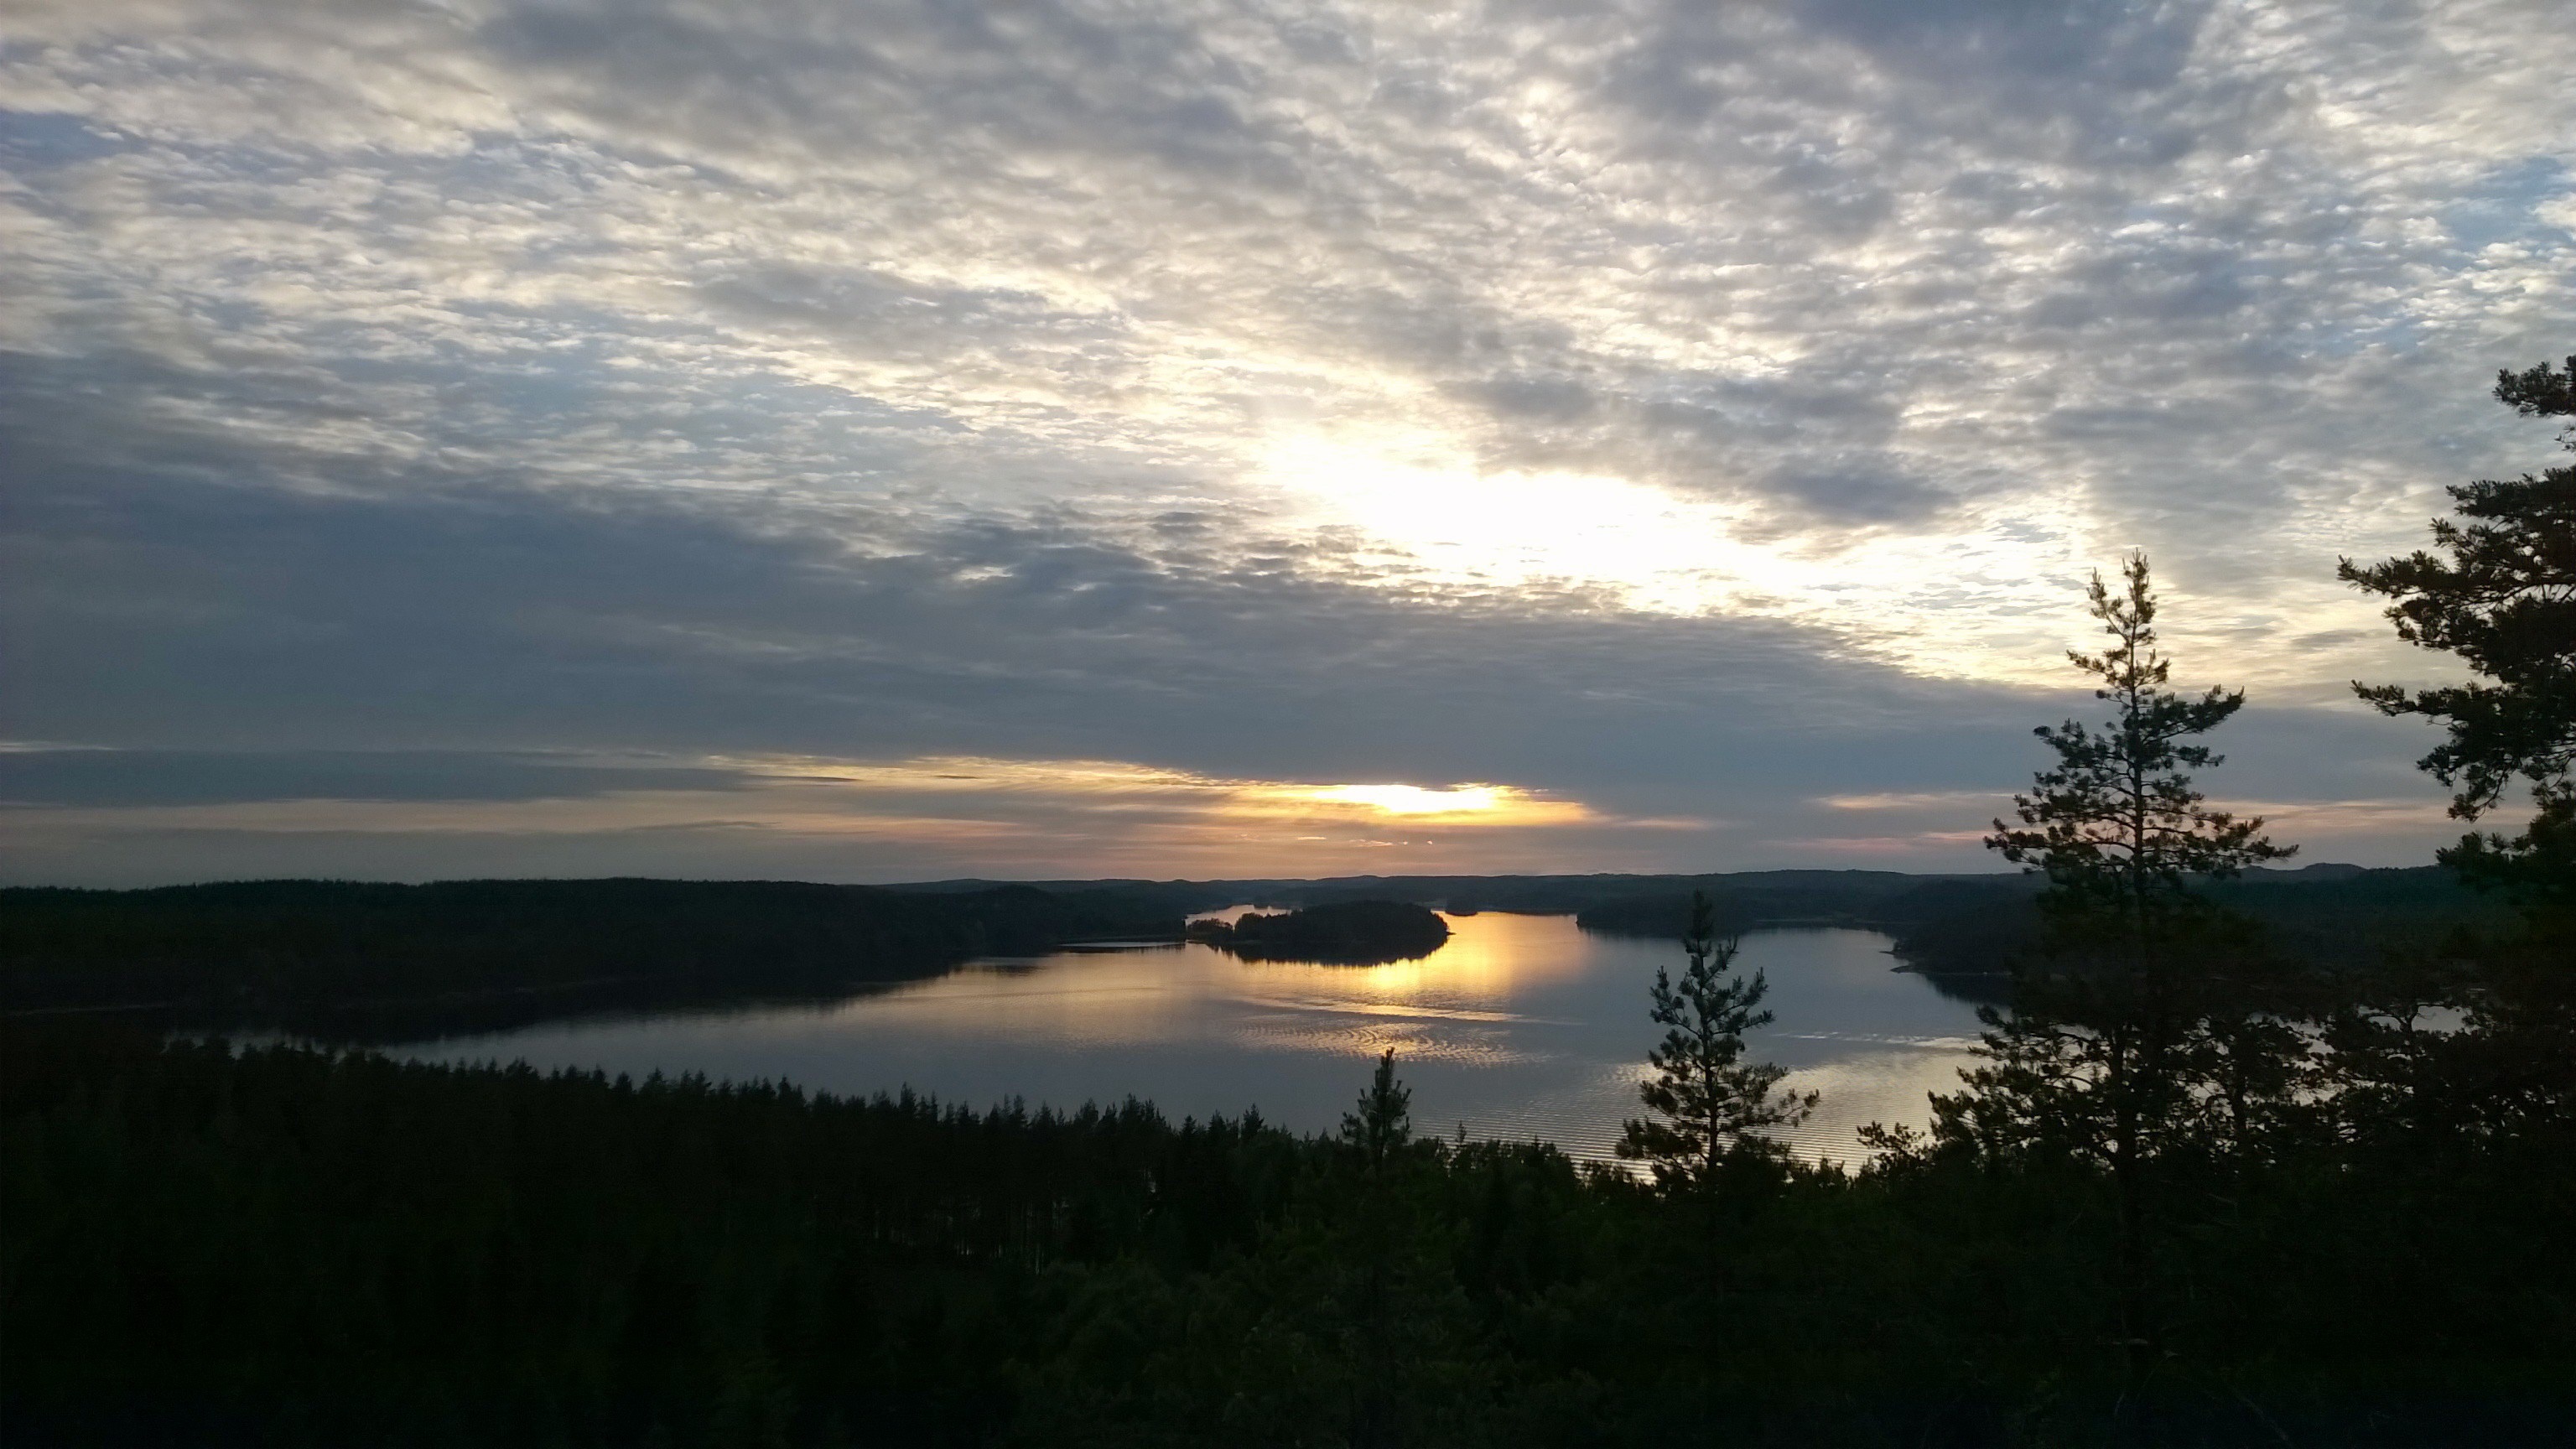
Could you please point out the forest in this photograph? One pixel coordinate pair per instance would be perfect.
(2205, 1185)
(292, 1247)
(373, 961)
(1344, 933)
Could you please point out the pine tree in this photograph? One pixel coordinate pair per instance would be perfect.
(1380, 1124)
(2500, 594)
(2503, 598)
(1383, 1299)
(2117, 827)
(1708, 1102)
(2132, 1030)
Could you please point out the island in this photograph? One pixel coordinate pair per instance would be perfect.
(1346, 933)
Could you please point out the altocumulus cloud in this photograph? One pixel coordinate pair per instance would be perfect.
(570, 437)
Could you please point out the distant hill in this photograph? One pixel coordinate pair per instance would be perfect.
(1823, 894)
(1945, 924)
(352, 959)
(2330, 915)
(1758, 899)
(468, 955)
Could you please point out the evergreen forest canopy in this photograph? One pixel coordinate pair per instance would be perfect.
(1345, 933)
(2200, 1188)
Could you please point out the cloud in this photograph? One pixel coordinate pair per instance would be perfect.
(835, 818)
(1688, 410)
(1949, 801)
(35, 776)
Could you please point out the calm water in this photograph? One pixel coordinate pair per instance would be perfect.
(1520, 1027)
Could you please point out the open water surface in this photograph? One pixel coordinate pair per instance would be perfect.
(1520, 1027)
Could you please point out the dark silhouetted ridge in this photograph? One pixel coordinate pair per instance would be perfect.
(476, 954)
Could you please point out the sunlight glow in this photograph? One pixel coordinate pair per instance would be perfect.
(1993, 592)
(938, 797)
(1414, 800)
(1472, 805)
(1115, 785)
(1654, 548)
(1958, 601)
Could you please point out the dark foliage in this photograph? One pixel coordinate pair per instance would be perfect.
(1709, 1110)
(1349, 933)
(2501, 594)
(2194, 1081)
(1755, 900)
(2132, 1035)
(283, 1247)
(2335, 918)
(372, 960)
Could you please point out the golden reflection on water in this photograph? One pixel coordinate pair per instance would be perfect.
(1432, 1008)
(1490, 957)
(1107, 999)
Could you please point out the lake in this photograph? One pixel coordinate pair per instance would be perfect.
(1520, 1027)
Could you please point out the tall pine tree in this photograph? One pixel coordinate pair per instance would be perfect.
(2499, 592)
(1707, 1101)
(2130, 1032)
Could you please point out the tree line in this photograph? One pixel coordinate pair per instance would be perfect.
(354, 960)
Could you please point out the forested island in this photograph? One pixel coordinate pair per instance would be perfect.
(1347, 933)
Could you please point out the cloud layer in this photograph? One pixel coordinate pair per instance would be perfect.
(1690, 415)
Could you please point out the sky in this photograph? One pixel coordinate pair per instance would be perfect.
(874, 441)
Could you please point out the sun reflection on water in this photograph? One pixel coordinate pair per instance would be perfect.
(1520, 1027)
(1431, 1006)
